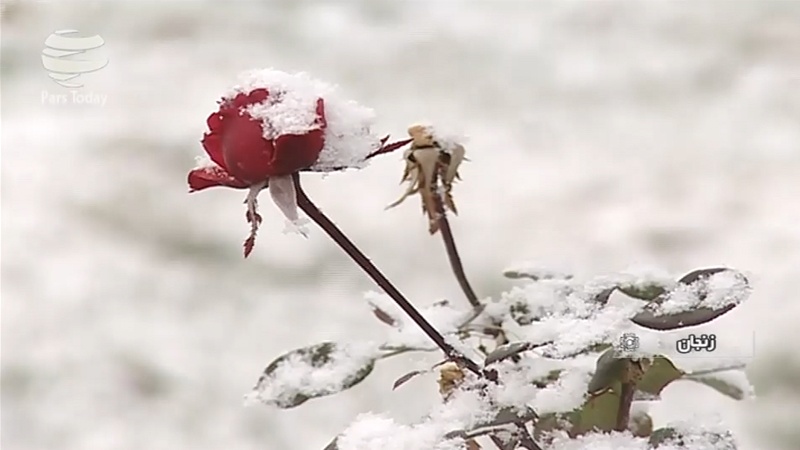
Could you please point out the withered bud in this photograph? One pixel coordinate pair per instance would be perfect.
(450, 377)
(431, 164)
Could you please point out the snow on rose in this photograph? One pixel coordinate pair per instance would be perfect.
(272, 125)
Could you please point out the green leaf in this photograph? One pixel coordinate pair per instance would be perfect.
(293, 378)
(721, 386)
(661, 373)
(609, 369)
(599, 413)
(536, 274)
(649, 292)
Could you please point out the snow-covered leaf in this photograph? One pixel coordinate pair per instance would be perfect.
(603, 296)
(506, 351)
(671, 438)
(510, 415)
(314, 371)
(701, 296)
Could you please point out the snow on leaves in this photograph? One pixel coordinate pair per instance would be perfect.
(314, 371)
(561, 376)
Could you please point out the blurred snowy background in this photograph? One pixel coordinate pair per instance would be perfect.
(603, 136)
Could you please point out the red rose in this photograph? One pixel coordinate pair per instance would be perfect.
(243, 156)
(259, 138)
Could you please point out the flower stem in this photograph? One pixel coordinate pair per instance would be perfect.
(366, 265)
(624, 409)
(452, 252)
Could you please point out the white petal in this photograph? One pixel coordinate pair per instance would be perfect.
(284, 195)
(282, 191)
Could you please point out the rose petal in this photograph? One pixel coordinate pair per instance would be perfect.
(206, 177)
(213, 146)
(257, 96)
(214, 121)
(248, 156)
(283, 194)
(246, 99)
(294, 152)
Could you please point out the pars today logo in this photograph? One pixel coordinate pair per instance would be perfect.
(66, 56)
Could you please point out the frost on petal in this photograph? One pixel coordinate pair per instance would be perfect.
(291, 108)
(284, 195)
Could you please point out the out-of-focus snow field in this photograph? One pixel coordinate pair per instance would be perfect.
(603, 135)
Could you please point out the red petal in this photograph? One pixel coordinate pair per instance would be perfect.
(207, 177)
(214, 121)
(248, 156)
(246, 99)
(257, 96)
(213, 146)
(294, 152)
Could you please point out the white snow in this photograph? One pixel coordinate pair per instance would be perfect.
(405, 333)
(447, 137)
(700, 434)
(462, 412)
(611, 441)
(203, 161)
(291, 109)
(722, 289)
(562, 311)
(372, 431)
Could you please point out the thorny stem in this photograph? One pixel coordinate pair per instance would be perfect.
(452, 252)
(525, 440)
(366, 265)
